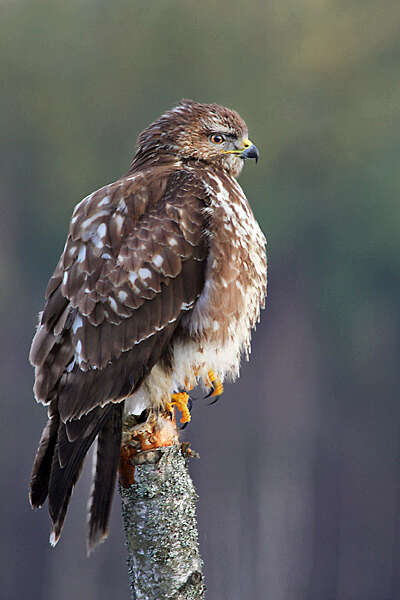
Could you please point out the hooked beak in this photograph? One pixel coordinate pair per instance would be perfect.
(250, 151)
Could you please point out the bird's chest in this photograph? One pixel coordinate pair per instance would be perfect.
(235, 283)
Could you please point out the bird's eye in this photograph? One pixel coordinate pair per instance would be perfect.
(216, 138)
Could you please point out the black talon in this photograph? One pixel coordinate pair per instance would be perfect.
(214, 401)
(210, 393)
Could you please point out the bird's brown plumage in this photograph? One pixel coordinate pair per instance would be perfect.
(161, 278)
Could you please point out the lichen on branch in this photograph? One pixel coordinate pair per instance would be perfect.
(159, 517)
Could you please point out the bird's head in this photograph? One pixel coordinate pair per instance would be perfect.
(193, 131)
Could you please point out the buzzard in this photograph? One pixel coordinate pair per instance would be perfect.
(160, 282)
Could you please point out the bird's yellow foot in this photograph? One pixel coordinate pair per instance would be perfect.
(180, 400)
(217, 387)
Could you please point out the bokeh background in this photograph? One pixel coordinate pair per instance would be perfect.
(299, 477)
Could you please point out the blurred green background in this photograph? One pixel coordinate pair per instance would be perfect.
(299, 477)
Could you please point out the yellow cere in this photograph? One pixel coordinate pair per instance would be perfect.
(246, 144)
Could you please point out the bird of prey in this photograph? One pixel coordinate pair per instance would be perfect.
(157, 290)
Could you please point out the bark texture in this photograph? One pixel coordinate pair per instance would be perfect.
(159, 517)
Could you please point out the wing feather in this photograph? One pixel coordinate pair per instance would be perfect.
(116, 287)
(131, 268)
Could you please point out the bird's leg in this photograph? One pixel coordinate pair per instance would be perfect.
(180, 400)
(217, 387)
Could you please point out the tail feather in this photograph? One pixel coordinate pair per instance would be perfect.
(44, 457)
(107, 457)
(58, 503)
(67, 464)
(59, 460)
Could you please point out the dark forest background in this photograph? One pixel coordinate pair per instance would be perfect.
(299, 477)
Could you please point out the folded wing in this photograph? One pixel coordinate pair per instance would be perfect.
(133, 264)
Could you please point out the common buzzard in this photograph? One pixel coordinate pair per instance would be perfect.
(160, 282)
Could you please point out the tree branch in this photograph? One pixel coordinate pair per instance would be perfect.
(159, 517)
